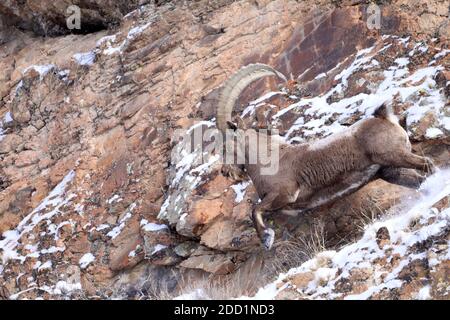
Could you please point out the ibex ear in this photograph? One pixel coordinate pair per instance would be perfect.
(232, 125)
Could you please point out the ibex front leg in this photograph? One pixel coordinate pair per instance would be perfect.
(406, 160)
(274, 200)
(419, 163)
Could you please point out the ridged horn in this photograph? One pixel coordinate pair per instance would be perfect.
(234, 86)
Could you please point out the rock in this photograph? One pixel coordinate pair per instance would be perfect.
(186, 248)
(204, 212)
(158, 247)
(134, 106)
(443, 78)
(27, 158)
(126, 254)
(9, 143)
(161, 255)
(440, 281)
(383, 237)
(418, 269)
(21, 112)
(226, 234)
(4, 293)
(302, 280)
(218, 264)
(420, 128)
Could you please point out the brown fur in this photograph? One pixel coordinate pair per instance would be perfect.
(316, 173)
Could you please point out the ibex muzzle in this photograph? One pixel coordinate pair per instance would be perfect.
(313, 174)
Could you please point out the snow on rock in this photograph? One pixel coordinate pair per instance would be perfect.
(190, 163)
(114, 198)
(46, 210)
(7, 118)
(239, 189)
(433, 133)
(150, 226)
(134, 32)
(45, 265)
(324, 114)
(2, 130)
(41, 69)
(253, 105)
(158, 248)
(424, 293)
(60, 288)
(85, 59)
(133, 253)
(122, 221)
(86, 259)
(106, 39)
(380, 267)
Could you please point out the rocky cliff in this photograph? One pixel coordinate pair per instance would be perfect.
(94, 205)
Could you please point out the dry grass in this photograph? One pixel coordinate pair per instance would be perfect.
(314, 242)
(369, 213)
(156, 290)
(291, 253)
(230, 286)
(258, 271)
(288, 254)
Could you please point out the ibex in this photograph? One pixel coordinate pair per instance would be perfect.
(316, 173)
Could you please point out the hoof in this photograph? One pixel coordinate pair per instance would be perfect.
(268, 238)
(430, 168)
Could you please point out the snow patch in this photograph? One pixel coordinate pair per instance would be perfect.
(433, 133)
(85, 59)
(48, 208)
(122, 222)
(239, 189)
(41, 69)
(158, 248)
(86, 259)
(152, 227)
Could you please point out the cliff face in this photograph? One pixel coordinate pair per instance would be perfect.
(92, 203)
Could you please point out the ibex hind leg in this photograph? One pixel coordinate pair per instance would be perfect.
(272, 201)
(405, 177)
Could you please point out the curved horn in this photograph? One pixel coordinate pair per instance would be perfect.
(234, 86)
